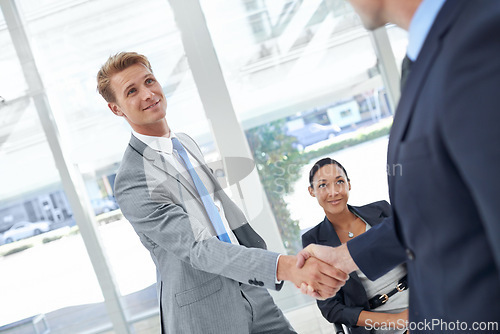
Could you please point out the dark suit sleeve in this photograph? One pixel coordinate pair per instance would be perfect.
(385, 207)
(333, 309)
(471, 121)
(378, 250)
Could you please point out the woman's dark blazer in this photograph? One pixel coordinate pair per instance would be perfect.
(351, 299)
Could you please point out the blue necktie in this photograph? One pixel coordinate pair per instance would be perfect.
(209, 204)
(405, 70)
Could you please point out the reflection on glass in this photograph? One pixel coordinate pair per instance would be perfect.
(45, 266)
(70, 40)
(302, 76)
(12, 84)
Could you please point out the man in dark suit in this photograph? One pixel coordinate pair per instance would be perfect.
(446, 142)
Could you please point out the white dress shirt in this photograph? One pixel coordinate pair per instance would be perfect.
(164, 147)
(421, 24)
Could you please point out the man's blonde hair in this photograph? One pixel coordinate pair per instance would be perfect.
(114, 65)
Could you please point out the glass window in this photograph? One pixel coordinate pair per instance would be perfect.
(399, 42)
(45, 266)
(304, 80)
(70, 40)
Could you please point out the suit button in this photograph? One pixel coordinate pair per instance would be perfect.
(409, 254)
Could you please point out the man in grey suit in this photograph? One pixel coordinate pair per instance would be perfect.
(205, 285)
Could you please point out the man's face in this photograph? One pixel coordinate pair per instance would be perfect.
(139, 98)
(371, 12)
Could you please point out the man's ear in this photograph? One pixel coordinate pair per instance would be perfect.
(115, 109)
(311, 191)
(349, 182)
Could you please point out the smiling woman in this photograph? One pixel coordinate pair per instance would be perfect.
(357, 304)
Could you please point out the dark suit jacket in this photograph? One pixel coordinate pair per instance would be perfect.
(346, 305)
(446, 143)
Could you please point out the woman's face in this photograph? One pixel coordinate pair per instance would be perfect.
(331, 189)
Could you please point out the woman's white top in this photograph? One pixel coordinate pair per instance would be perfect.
(397, 302)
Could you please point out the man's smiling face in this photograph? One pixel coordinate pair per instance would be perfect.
(139, 99)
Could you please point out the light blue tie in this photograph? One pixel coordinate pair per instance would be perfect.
(209, 204)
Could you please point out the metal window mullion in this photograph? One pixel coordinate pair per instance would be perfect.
(387, 65)
(71, 179)
(229, 136)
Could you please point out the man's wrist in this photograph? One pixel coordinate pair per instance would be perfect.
(346, 262)
(277, 281)
(284, 264)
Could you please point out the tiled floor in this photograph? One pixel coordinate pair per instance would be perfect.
(300, 310)
(308, 320)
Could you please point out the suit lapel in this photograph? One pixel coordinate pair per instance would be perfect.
(159, 162)
(327, 235)
(235, 218)
(416, 79)
(190, 147)
(369, 214)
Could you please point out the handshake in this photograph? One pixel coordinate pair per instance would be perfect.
(318, 271)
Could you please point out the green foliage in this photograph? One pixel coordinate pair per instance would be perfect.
(74, 230)
(279, 165)
(52, 238)
(355, 140)
(17, 249)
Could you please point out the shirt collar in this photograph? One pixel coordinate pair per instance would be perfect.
(161, 144)
(421, 24)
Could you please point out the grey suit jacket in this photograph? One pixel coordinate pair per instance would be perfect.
(198, 275)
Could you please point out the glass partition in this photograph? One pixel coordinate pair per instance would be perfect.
(305, 81)
(70, 40)
(46, 271)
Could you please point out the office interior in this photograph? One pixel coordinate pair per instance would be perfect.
(266, 87)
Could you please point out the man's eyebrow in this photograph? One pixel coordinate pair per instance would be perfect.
(132, 84)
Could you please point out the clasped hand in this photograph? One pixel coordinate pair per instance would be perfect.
(337, 259)
(313, 276)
